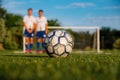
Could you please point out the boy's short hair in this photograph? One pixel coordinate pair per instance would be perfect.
(30, 9)
(41, 10)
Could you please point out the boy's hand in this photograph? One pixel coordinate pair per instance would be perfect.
(46, 32)
(35, 32)
(30, 30)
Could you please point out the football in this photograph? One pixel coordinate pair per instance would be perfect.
(58, 43)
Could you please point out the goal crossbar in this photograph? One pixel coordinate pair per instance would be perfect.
(73, 27)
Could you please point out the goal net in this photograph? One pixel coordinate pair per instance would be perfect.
(86, 38)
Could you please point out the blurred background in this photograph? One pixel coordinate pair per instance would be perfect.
(102, 13)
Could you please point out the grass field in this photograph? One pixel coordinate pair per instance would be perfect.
(75, 67)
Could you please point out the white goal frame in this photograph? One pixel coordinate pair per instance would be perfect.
(78, 28)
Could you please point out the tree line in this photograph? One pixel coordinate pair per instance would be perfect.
(109, 39)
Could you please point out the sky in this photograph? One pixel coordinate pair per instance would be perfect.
(71, 12)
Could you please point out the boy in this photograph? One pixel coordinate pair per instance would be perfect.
(41, 30)
(29, 24)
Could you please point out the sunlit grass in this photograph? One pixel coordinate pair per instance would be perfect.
(74, 67)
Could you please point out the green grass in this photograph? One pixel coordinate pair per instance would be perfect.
(75, 67)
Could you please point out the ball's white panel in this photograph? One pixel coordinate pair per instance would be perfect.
(69, 38)
(54, 55)
(55, 51)
(71, 44)
(60, 49)
(54, 40)
(68, 48)
(64, 55)
(62, 34)
(46, 40)
(50, 34)
(58, 33)
(50, 39)
(56, 47)
(50, 49)
(63, 41)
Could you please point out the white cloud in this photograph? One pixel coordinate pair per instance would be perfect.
(83, 4)
(112, 7)
(76, 5)
(21, 12)
(111, 21)
(34, 1)
(110, 18)
(12, 4)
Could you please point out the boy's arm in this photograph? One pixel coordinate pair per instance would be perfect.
(35, 26)
(46, 28)
(24, 24)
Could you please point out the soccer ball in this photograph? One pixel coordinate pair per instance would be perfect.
(58, 43)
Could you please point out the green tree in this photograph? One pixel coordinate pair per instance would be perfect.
(12, 39)
(2, 33)
(82, 40)
(3, 13)
(0, 3)
(2, 30)
(17, 35)
(108, 37)
(116, 44)
(54, 22)
(115, 34)
(13, 20)
(9, 43)
(106, 32)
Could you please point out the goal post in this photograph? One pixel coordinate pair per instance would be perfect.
(96, 28)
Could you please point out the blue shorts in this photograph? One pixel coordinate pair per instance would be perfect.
(27, 34)
(40, 34)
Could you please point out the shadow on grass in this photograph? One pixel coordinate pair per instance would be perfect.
(26, 55)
